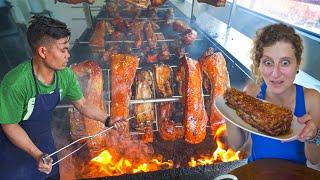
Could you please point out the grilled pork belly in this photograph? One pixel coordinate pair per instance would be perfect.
(151, 37)
(123, 70)
(137, 31)
(188, 34)
(213, 65)
(144, 111)
(164, 53)
(93, 93)
(163, 75)
(148, 135)
(190, 87)
(180, 26)
(167, 127)
(269, 118)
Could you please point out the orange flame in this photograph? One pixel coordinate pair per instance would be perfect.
(105, 165)
(219, 155)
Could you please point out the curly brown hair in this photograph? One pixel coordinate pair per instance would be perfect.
(268, 36)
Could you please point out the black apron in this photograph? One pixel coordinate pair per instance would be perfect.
(14, 162)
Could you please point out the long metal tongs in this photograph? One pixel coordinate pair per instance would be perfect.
(80, 139)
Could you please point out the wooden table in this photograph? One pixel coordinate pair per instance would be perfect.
(274, 169)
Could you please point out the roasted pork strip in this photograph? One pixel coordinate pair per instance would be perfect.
(168, 129)
(269, 118)
(151, 37)
(137, 31)
(164, 53)
(93, 94)
(163, 77)
(123, 70)
(195, 117)
(144, 90)
(213, 65)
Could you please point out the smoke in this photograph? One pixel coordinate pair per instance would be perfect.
(122, 145)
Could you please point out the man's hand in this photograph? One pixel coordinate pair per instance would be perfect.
(45, 163)
(118, 123)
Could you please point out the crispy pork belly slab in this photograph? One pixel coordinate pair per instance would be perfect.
(144, 111)
(163, 76)
(137, 31)
(190, 86)
(213, 65)
(93, 93)
(168, 129)
(97, 39)
(269, 118)
(151, 37)
(148, 135)
(123, 70)
(164, 52)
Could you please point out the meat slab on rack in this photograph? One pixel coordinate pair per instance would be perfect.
(190, 87)
(213, 65)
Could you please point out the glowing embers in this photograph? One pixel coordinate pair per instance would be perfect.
(105, 165)
(219, 155)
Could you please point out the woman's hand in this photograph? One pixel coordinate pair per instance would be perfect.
(310, 129)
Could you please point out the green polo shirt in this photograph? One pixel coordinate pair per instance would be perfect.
(18, 91)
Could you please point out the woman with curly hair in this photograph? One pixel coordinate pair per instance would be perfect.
(276, 56)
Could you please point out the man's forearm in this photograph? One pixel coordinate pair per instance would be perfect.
(93, 112)
(20, 138)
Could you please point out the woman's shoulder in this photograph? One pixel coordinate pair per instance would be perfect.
(311, 95)
(252, 89)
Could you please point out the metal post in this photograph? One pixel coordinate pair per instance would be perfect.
(233, 7)
(193, 18)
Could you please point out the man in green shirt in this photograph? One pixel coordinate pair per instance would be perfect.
(28, 95)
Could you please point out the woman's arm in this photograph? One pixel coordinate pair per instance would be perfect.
(312, 151)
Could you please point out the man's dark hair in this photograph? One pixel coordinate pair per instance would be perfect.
(43, 29)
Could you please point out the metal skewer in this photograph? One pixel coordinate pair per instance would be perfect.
(80, 139)
(141, 101)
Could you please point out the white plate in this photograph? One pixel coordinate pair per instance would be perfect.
(231, 116)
